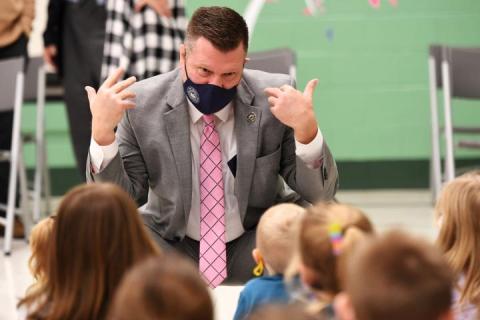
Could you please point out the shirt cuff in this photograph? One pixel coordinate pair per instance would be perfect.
(101, 156)
(312, 153)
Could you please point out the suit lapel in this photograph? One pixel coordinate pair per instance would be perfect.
(247, 123)
(178, 131)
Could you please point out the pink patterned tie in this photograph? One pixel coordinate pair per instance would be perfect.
(213, 254)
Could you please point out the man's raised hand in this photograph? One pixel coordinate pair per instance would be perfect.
(295, 109)
(108, 105)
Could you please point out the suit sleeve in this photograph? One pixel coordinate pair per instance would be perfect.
(128, 171)
(312, 183)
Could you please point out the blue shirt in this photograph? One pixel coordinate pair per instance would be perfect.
(259, 291)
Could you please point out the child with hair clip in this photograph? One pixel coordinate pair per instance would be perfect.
(327, 235)
(458, 215)
(275, 246)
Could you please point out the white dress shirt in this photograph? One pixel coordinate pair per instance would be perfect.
(224, 123)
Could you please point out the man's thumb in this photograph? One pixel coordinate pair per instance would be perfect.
(90, 93)
(310, 88)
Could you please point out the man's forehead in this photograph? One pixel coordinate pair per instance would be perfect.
(212, 58)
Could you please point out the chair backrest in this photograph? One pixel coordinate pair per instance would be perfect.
(9, 68)
(435, 52)
(464, 67)
(281, 60)
(31, 78)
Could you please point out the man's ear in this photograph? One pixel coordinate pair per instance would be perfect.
(182, 52)
(343, 307)
(257, 256)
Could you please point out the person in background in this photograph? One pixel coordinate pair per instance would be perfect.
(396, 277)
(73, 41)
(167, 288)
(16, 18)
(275, 247)
(458, 215)
(143, 37)
(97, 236)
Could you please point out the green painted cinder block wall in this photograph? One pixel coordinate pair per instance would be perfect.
(372, 101)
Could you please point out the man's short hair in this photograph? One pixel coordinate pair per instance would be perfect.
(222, 26)
(398, 277)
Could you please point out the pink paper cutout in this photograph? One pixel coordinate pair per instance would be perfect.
(394, 3)
(374, 3)
(307, 11)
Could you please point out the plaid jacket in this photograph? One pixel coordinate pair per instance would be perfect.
(143, 43)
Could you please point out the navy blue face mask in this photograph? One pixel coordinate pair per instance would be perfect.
(207, 98)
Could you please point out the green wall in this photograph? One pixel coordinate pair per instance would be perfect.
(372, 101)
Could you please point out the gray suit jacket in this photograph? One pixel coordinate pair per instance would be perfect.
(154, 161)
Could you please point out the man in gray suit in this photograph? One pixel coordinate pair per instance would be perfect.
(264, 129)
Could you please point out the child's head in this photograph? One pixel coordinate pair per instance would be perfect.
(396, 277)
(321, 264)
(276, 236)
(458, 214)
(40, 246)
(97, 236)
(168, 288)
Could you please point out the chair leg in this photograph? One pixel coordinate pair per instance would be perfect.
(435, 161)
(12, 185)
(25, 204)
(47, 193)
(449, 153)
(40, 146)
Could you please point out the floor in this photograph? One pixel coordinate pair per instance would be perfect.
(406, 209)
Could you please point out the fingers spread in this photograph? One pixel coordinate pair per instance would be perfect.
(90, 93)
(127, 104)
(113, 78)
(123, 84)
(127, 95)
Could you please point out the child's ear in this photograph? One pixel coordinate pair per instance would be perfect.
(343, 307)
(257, 256)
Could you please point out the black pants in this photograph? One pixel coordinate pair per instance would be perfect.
(83, 38)
(16, 49)
(239, 252)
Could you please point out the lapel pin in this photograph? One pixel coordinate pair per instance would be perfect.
(251, 117)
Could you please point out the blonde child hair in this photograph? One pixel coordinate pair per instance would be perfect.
(320, 264)
(458, 211)
(40, 245)
(276, 236)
